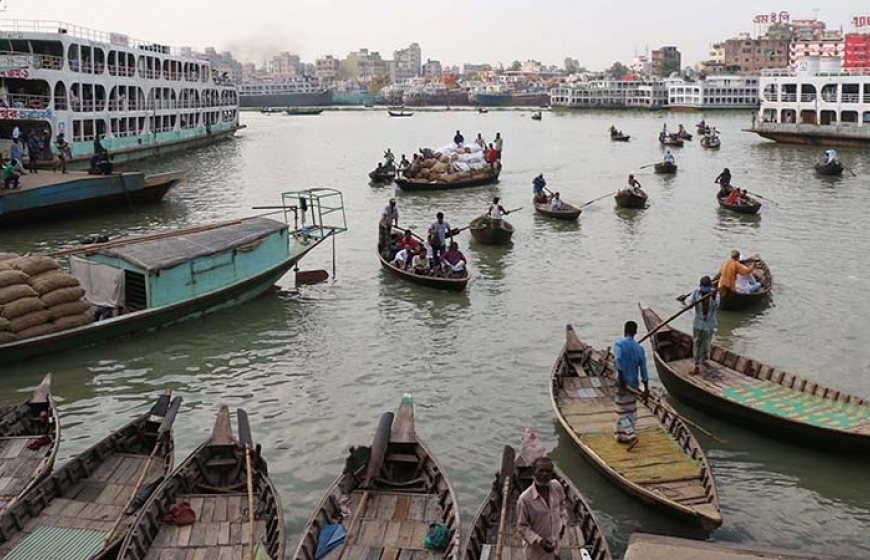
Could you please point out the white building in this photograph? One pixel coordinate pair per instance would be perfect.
(406, 64)
(715, 92)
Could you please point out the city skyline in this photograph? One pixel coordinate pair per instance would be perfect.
(506, 31)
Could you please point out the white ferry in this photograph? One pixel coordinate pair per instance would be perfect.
(141, 98)
(610, 94)
(291, 91)
(817, 104)
(714, 92)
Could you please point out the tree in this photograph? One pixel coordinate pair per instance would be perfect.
(617, 70)
(515, 66)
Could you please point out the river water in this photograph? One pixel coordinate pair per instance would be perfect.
(316, 368)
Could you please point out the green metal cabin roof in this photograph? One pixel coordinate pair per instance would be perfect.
(58, 543)
(167, 252)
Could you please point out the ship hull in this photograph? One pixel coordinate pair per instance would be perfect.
(813, 135)
(510, 100)
(317, 99)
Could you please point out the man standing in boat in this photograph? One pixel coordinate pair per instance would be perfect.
(541, 513)
(705, 322)
(630, 360)
(458, 139)
(438, 238)
(498, 145)
(495, 213)
(389, 218)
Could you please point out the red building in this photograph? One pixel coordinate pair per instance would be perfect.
(857, 51)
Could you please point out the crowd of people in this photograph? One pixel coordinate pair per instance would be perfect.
(452, 162)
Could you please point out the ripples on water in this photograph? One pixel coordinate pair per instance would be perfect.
(317, 368)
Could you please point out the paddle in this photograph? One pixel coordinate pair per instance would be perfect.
(650, 165)
(674, 316)
(162, 439)
(599, 198)
(761, 197)
(412, 233)
(507, 470)
(246, 439)
(663, 404)
(754, 258)
(512, 211)
(849, 170)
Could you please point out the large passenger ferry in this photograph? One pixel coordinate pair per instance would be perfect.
(818, 104)
(140, 98)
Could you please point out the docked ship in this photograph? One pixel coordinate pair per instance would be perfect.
(502, 95)
(816, 104)
(434, 93)
(140, 98)
(295, 91)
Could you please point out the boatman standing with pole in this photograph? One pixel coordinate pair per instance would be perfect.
(705, 321)
(541, 513)
(389, 218)
(631, 369)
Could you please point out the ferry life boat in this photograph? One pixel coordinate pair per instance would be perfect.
(140, 98)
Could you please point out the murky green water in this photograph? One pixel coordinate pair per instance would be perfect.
(317, 368)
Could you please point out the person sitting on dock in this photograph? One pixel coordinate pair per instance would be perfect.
(10, 175)
(724, 182)
(538, 184)
(705, 320)
(669, 157)
(630, 361)
(542, 515)
(556, 202)
(420, 262)
(495, 213)
(453, 261)
(458, 139)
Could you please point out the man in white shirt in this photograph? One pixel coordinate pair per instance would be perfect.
(495, 213)
(542, 515)
(556, 202)
(669, 157)
(438, 237)
(401, 259)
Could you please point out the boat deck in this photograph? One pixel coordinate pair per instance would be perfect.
(17, 465)
(392, 527)
(658, 547)
(774, 398)
(92, 505)
(30, 181)
(220, 530)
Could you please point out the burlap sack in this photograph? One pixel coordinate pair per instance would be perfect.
(38, 330)
(34, 264)
(72, 321)
(6, 337)
(8, 256)
(4, 266)
(425, 173)
(429, 163)
(9, 277)
(18, 291)
(4, 324)
(21, 307)
(29, 320)
(440, 167)
(63, 295)
(69, 308)
(52, 280)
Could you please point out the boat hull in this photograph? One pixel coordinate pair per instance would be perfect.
(665, 168)
(812, 135)
(629, 200)
(492, 236)
(407, 185)
(568, 215)
(73, 198)
(747, 209)
(149, 319)
(434, 282)
(829, 169)
(286, 99)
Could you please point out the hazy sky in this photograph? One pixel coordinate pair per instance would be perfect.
(596, 33)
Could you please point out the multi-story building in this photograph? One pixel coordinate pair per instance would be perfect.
(407, 63)
(223, 64)
(665, 61)
(249, 71)
(284, 64)
(432, 69)
(326, 68)
(856, 54)
(714, 92)
(610, 94)
(640, 65)
(751, 56)
(823, 44)
(469, 69)
(364, 66)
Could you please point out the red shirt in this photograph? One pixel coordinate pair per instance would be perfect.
(732, 197)
(490, 155)
(410, 244)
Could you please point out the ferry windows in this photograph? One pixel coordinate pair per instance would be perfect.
(87, 60)
(60, 103)
(808, 92)
(808, 116)
(100, 127)
(851, 93)
(829, 93)
(828, 117)
(75, 97)
(849, 117)
(866, 117)
(99, 98)
(99, 61)
(77, 131)
(72, 56)
(789, 116)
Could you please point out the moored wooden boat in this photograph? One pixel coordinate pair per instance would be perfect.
(485, 231)
(620, 137)
(665, 168)
(437, 282)
(567, 212)
(582, 533)
(831, 168)
(666, 469)
(220, 480)
(303, 111)
(761, 397)
(627, 198)
(176, 275)
(383, 503)
(33, 423)
(88, 505)
(477, 180)
(752, 208)
(671, 140)
(44, 196)
(733, 301)
(385, 175)
(643, 546)
(710, 142)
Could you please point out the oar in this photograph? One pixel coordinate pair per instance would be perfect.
(599, 198)
(754, 258)
(670, 409)
(412, 233)
(507, 470)
(514, 210)
(674, 316)
(162, 437)
(246, 439)
(849, 170)
(650, 165)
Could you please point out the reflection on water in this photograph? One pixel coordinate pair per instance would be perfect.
(316, 368)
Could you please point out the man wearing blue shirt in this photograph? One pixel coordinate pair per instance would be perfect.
(630, 371)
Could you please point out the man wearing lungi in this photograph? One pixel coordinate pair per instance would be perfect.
(630, 370)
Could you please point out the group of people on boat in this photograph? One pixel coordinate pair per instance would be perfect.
(730, 194)
(615, 133)
(539, 184)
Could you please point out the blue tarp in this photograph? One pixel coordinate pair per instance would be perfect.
(331, 536)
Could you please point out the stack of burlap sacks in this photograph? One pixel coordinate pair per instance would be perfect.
(37, 298)
(451, 164)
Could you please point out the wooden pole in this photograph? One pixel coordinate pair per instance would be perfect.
(507, 469)
(250, 501)
(674, 316)
(599, 198)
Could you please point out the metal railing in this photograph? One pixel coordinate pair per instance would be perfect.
(32, 60)
(28, 101)
(63, 28)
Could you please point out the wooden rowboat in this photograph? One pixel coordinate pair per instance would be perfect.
(583, 531)
(665, 168)
(426, 185)
(752, 208)
(436, 282)
(761, 397)
(215, 481)
(644, 546)
(620, 137)
(830, 168)
(734, 301)
(386, 175)
(671, 140)
(567, 212)
(21, 426)
(385, 500)
(626, 198)
(711, 142)
(666, 469)
(484, 231)
(683, 135)
(88, 505)
(400, 113)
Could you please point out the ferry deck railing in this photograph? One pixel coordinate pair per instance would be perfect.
(12, 59)
(17, 26)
